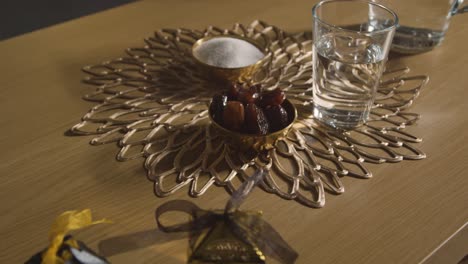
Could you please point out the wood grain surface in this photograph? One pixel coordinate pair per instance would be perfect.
(400, 216)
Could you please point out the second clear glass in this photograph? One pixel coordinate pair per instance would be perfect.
(423, 23)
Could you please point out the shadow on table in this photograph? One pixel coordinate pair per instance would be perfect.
(464, 260)
(134, 241)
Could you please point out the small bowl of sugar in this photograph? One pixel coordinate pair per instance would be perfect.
(230, 57)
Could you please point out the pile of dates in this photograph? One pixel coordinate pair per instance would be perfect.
(248, 109)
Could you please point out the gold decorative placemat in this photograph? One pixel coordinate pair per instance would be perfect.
(153, 103)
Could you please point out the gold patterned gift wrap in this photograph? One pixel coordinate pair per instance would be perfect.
(228, 236)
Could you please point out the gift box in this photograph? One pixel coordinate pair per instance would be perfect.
(223, 243)
(229, 236)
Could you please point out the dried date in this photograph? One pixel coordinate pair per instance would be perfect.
(217, 107)
(233, 115)
(277, 116)
(255, 120)
(275, 97)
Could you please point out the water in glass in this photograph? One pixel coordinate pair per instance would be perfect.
(346, 72)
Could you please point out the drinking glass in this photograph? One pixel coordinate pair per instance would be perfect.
(351, 43)
(423, 23)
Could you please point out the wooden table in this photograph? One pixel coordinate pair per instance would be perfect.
(402, 215)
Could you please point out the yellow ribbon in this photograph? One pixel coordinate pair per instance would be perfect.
(64, 223)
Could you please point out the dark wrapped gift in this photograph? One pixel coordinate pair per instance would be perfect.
(63, 248)
(231, 236)
(72, 252)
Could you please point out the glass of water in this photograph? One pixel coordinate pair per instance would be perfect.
(351, 43)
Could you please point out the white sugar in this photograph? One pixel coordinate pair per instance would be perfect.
(228, 52)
